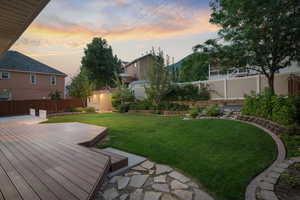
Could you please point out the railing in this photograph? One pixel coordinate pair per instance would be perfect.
(21, 107)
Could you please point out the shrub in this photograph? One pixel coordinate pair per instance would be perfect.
(77, 109)
(90, 109)
(293, 129)
(213, 111)
(193, 112)
(121, 96)
(123, 108)
(56, 95)
(188, 93)
(283, 110)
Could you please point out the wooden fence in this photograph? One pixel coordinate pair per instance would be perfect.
(21, 107)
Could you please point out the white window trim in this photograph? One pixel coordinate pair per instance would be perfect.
(54, 80)
(30, 75)
(1, 75)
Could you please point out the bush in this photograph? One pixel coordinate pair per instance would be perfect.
(164, 106)
(121, 96)
(280, 109)
(90, 109)
(194, 112)
(213, 111)
(76, 109)
(123, 108)
(188, 93)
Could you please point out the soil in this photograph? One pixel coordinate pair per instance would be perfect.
(288, 186)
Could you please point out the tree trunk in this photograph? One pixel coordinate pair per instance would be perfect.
(271, 82)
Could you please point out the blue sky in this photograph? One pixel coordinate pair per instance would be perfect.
(132, 27)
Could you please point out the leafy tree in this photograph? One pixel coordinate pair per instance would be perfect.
(122, 95)
(159, 79)
(81, 87)
(262, 35)
(56, 95)
(194, 68)
(100, 63)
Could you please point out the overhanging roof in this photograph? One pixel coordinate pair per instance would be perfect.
(15, 17)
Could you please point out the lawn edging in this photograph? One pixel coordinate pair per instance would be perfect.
(261, 184)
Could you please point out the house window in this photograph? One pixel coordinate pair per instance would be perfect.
(5, 95)
(4, 75)
(53, 80)
(33, 78)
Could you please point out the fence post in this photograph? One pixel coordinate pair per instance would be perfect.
(225, 88)
(258, 84)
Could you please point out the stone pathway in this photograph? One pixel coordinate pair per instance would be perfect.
(151, 181)
(265, 191)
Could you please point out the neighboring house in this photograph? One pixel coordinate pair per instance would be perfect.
(137, 69)
(23, 78)
(217, 73)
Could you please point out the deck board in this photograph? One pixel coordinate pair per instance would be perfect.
(46, 162)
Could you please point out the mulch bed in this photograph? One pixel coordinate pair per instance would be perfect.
(288, 186)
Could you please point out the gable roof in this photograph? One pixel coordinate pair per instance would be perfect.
(15, 61)
(137, 59)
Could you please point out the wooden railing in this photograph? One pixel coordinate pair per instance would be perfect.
(21, 107)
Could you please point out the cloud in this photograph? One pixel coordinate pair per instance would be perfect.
(76, 35)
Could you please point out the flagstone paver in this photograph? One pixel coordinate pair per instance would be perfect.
(160, 179)
(138, 180)
(160, 169)
(176, 185)
(137, 194)
(201, 195)
(124, 196)
(161, 187)
(123, 182)
(110, 194)
(151, 181)
(183, 194)
(147, 164)
(152, 195)
(179, 176)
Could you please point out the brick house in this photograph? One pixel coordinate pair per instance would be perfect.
(23, 78)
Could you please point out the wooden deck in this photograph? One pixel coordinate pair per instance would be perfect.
(45, 162)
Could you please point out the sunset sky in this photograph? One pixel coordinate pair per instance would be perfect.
(59, 34)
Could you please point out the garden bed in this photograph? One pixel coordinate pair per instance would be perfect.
(288, 186)
(236, 102)
(163, 112)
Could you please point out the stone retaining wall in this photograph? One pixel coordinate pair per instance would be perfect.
(268, 124)
(236, 102)
(164, 112)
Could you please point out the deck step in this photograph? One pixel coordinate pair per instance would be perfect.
(117, 161)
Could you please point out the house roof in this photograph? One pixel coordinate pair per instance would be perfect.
(136, 60)
(15, 61)
(15, 17)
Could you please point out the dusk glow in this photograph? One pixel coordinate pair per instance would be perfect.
(59, 34)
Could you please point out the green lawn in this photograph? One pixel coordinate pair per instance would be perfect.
(222, 155)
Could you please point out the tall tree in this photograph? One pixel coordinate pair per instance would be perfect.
(194, 68)
(100, 63)
(263, 35)
(81, 87)
(159, 79)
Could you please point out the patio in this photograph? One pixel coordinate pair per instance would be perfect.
(44, 161)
